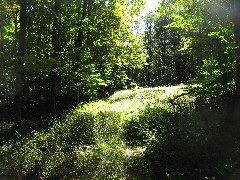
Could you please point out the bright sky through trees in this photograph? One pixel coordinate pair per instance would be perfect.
(150, 5)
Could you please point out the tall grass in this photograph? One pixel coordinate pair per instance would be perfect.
(86, 145)
(135, 134)
(183, 144)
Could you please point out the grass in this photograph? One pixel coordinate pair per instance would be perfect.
(4, 126)
(123, 137)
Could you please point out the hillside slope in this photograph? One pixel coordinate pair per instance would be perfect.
(145, 133)
(88, 144)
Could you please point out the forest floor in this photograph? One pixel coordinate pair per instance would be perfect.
(116, 138)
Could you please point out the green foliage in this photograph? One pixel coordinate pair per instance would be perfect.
(218, 77)
(136, 134)
(182, 144)
(78, 50)
(86, 145)
(204, 45)
(100, 59)
(143, 128)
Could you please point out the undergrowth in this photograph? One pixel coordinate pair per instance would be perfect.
(136, 134)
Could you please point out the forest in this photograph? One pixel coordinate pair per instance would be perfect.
(93, 89)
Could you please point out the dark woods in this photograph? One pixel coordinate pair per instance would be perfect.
(63, 64)
(56, 54)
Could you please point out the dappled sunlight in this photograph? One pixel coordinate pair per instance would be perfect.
(123, 89)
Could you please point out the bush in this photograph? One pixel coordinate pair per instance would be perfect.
(150, 122)
(182, 144)
(87, 145)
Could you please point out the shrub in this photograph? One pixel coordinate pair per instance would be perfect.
(187, 146)
(87, 145)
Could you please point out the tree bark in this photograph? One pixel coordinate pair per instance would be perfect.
(19, 76)
(78, 45)
(149, 49)
(236, 21)
(79, 39)
(89, 13)
(56, 48)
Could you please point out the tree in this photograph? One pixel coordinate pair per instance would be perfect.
(202, 23)
(67, 45)
(236, 21)
(149, 46)
(79, 41)
(20, 55)
(54, 54)
(166, 64)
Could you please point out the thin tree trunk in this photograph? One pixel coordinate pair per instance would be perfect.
(55, 46)
(19, 76)
(89, 9)
(79, 39)
(236, 21)
(78, 45)
(149, 48)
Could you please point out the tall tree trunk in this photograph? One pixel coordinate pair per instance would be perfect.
(149, 49)
(89, 13)
(79, 39)
(79, 43)
(55, 46)
(236, 21)
(19, 76)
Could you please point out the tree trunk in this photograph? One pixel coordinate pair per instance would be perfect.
(149, 49)
(55, 46)
(78, 45)
(79, 39)
(19, 76)
(236, 21)
(89, 9)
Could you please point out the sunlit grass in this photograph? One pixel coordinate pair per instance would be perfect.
(88, 144)
(5, 126)
(123, 137)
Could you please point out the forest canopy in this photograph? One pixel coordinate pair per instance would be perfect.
(59, 53)
(66, 49)
(91, 89)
